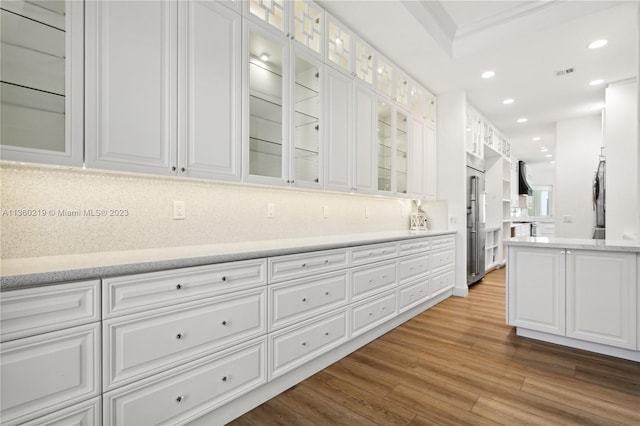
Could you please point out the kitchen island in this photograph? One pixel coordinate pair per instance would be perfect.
(576, 292)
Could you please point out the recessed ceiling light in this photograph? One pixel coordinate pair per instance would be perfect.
(522, 120)
(548, 155)
(488, 74)
(596, 82)
(508, 101)
(543, 149)
(552, 162)
(597, 43)
(536, 138)
(264, 57)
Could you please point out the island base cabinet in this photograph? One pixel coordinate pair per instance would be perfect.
(88, 413)
(601, 297)
(536, 289)
(188, 392)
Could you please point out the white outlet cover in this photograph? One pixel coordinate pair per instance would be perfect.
(179, 210)
(271, 210)
(325, 211)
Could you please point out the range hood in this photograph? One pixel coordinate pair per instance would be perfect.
(523, 186)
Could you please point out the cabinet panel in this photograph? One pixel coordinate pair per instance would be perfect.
(139, 345)
(417, 245)
(441, 282)
(338, 113)
(413, 294)
(430, 163)
(88, 413)
(48, 372)
(293, 347)
(131, 86)
(601, 297)
(442, 259)
(369, 314)
(298, 300)
(133, 293)
(413, 266)
(536, 289)
(193, 389)
(364, 139)
(372, 279)
(301, 265)
(210, 123)
(32, 311)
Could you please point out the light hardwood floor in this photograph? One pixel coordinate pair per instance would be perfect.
(459, 363)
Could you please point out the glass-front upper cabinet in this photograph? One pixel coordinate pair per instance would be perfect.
(385, 145)
(384, 77)
(267, 61)
(273, 13)
(306, 120)
(402, 151)
(339, 45)
(41, 81)
(308, 25)
(402, 88)
(363, 61)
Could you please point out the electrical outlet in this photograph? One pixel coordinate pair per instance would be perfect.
(179, 210)
(271, 210)
(325, 211)
(366, 212)
(453, 220)
(567, 219)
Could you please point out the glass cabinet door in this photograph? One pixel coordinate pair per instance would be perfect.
(402, 151)
(338, 44)
(308, 23)
(271, 12)
(266, 106)
(384, 78)
(385, 146)
(363, 61)
(306, 121)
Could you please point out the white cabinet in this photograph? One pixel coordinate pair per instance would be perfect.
(430, 163)
(601, 297)
(364, 139)
(338, 162)
(536, 289)
(42, 64)
(153, 105)
(586, 295)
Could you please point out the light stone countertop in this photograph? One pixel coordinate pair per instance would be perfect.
(576, 243)
(24, 272)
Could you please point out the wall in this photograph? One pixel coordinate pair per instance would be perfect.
(578, 144)
(621, 142)
(215, 212)
(452, 175)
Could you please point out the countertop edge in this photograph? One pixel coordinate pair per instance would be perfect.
(18, 281)
(575, 243)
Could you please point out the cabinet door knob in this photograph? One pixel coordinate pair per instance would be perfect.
(182, 169)
(304, 299)
(224, 278)
(561, 251)
(304, 265)
(179, 399)
(178, 286)
(225, 378)
(304, 343)
(326, 333)
(326, 293)
(568, 252)
(179, 336)
(174, 168)
(224, 322)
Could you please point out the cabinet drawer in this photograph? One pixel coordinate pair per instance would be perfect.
(370, 280)
(301, 265)
(291, 348)
(142, 344)
(373, 253)
(32, 311)
(87, 413)
(186, 392)
(134, 293)
(48, 372)
(415, 245)
(441, 282)
(442, 259)
(443, 241)
(413, 266)
(295, 301)
(414, 293)
(369, 314)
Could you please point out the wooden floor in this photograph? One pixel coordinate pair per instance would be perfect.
(458, 363)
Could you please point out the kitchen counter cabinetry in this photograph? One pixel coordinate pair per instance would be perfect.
(586, 298)
(205, 344)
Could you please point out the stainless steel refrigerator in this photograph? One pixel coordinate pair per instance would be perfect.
(599, 232)
(475, 220)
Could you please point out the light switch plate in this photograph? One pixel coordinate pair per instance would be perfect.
(325, 211)
(271, 210)
(179, 210)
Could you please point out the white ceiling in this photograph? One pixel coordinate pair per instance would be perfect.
(446, 45)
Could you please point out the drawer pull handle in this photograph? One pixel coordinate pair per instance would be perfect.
(304, 265)
(326, 333)
(225, 378)
(304, 343)
(224, 322)
(224, 279)
(179, 336)
(179, 287)
(371, 280)
(304, 299)
(384, 276)
(370, 313)
(179, 399)
(326, 261)
(326, 293)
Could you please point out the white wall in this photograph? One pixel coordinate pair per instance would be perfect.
(215, 212)
(452, 175)
(621, 142)
(578, 144)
